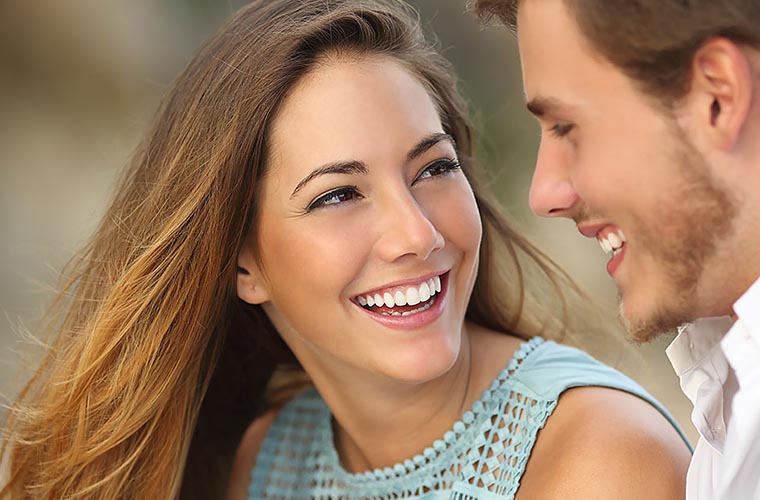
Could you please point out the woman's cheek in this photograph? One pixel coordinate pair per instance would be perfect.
(454, 213)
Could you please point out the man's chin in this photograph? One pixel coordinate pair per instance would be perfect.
(644, 328)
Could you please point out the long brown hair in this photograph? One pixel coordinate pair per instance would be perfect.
(156, 367)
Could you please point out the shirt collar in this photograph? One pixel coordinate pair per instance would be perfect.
(698, 360)
(696, 341)
(709, 355)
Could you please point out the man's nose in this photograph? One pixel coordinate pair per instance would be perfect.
(552, 193)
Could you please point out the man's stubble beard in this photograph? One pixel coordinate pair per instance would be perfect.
(702, 214)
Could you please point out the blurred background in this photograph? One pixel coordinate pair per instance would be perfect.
(81, 79)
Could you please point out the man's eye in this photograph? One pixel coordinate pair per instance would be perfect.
(335, 197)
(560, 130)
(439, 167)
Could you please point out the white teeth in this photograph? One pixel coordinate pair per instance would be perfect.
(412, 297)
(605, 246)
(614, 240)
(424, 292)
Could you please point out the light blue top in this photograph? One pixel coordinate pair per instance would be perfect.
(482, 456)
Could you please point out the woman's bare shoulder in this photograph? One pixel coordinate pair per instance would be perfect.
(245, 457)
(605, 443)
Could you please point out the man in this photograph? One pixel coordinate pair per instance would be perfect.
(650, 117)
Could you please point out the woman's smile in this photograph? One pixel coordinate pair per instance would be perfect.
(406, 306)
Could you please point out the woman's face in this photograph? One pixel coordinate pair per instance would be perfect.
(364, 201)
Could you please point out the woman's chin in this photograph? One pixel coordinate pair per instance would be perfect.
(422, 363)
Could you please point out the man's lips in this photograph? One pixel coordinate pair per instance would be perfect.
(616, 260)
(611, 239)
(591, 230)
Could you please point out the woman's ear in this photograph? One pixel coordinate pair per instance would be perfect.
(251, 286)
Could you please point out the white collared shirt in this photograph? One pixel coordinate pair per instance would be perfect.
(718, 362)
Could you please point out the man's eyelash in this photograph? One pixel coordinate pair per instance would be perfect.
(561, 129)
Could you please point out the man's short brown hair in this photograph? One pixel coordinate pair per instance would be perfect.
(651, 41)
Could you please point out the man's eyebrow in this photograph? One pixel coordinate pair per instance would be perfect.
(428, 142)
(340, 167)
(356, 167)
(540, 106)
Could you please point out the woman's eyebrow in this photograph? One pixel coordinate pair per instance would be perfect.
(428, 142)
(354, 167)
(340, 167)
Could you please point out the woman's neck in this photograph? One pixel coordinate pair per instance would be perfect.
(376, 429)
(379, 423)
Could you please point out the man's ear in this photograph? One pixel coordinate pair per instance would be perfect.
(721, 89)
(251, 286)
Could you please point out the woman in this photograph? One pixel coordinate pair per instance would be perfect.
(307, 211)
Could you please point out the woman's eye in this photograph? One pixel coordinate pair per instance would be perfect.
(335, 197)
(560, 130)
(439, 167)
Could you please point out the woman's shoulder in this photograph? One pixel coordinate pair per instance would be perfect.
(549, 369)
(304, 408)
(605, 443)
(245, 457)
(543, 369)
(594, 432)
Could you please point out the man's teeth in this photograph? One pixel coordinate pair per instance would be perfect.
(410, 297)
(613, 242)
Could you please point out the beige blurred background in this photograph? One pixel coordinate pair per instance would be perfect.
(80, 80)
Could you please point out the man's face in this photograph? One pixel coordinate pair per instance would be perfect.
(624, 171)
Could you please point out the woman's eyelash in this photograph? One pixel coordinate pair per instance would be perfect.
(561, 129)
(334, 197)
(348, 193)
(439, 167)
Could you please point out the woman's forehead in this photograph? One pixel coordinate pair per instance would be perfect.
(349, 108)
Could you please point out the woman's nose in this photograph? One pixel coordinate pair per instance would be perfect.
(407, 231)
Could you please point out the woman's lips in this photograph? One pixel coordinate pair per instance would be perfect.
(410, 317)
